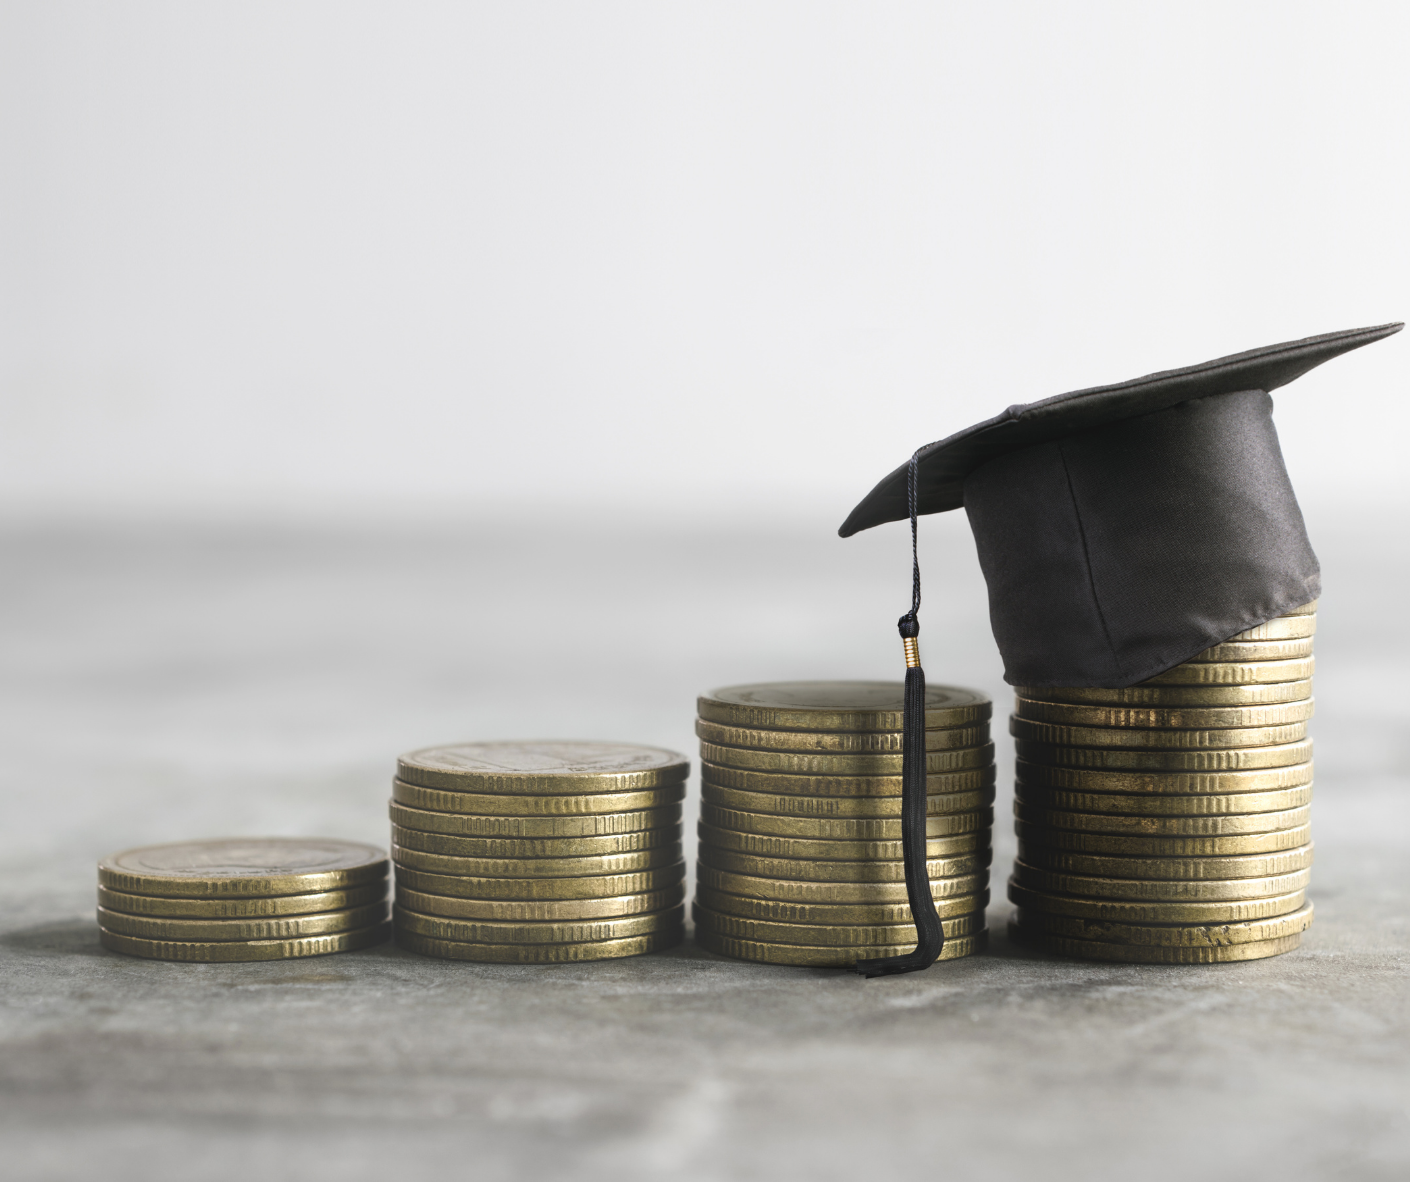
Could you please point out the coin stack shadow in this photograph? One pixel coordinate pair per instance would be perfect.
(538, 853)
(800, 859)
(243, 899)
(1168, 822)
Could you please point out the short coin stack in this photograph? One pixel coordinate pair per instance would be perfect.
(538, 852)
(243, 899)
(800, 859)
(1168, 823)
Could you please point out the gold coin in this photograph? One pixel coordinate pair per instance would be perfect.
(1280, 628)
(289, 927)
(1146, 717)
(838, 706)
(541, 953)
(971, 780)
(243, 867)
(1111, 803)
(1221, 825)
(537, 889)
(547, 767)
(583, 931)
(831, 849)
(1208, 935)
(1182, 869)
(1120, 844)
(507, 804)
(857, 829)
(553, 848)
(1235, 672)
(813, 870)
(1165, 783)
(511, 910)
(586, 867)
(1159, 890)
(268, 907)
(1154, 740)
(1115, 759)
(795, 891)
(1121, 911)
(1175, 695)
(840, 807)
(853, 935)
(212, 951)
(807, 956)
(845, 743)
(833, 914)
(799, 763)
(1239, 651)
(535, 828)
(1151, 954)
(1307, 609)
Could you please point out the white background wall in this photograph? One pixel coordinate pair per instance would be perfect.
(280, 258)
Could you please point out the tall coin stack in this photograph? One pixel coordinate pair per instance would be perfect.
(538, 853)
(266, 898)
(1168, 823)
(800, 859)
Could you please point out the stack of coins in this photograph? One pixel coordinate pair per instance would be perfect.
(800, 858)
(538, 853)
(1168, 823)
(243, 899)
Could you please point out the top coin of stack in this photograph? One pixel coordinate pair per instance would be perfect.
(800, 858)
(538, 852)
(1168, 822)
(243, 899)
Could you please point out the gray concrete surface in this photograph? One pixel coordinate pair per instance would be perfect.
(170, 682)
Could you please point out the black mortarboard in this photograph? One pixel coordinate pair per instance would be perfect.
(1121, 529)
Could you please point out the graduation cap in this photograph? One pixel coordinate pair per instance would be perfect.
(1121, 530)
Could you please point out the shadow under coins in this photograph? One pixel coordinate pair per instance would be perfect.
(68, 937)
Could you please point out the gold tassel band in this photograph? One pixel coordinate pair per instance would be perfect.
(912, 647)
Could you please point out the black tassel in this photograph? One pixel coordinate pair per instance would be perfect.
(930, 936)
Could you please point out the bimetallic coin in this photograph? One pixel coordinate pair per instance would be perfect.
(584, 931)
(666, 855)
(243, 867)
(814, 870)
(553, 848)
(209, 952)
(855, 935)
(1159, 890)
(862, 829)
(1146, 739)
(800, 763)
(509, 804)
(1235, 672)
(1165, 783)
(548, 766)
(288, 927)
(971, 780)
(1120, 844)
(540, 889)
(1280, 628)
(510, 910)
(1209, 935)
(840, 807)
(834, 914)
(796, 891)
(1152, 954)
(267, 907)
(1176, 695)
(1220, 825)
(1146, 717)
(834, 850)
(833, 706)
(541, 953)
(535, 828)
(844, 743)
(1117, 759)
(806, 956)
(1257, 650)
(1182, 869)
(1121, 911)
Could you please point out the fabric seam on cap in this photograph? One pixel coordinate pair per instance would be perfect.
(1087, 558)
